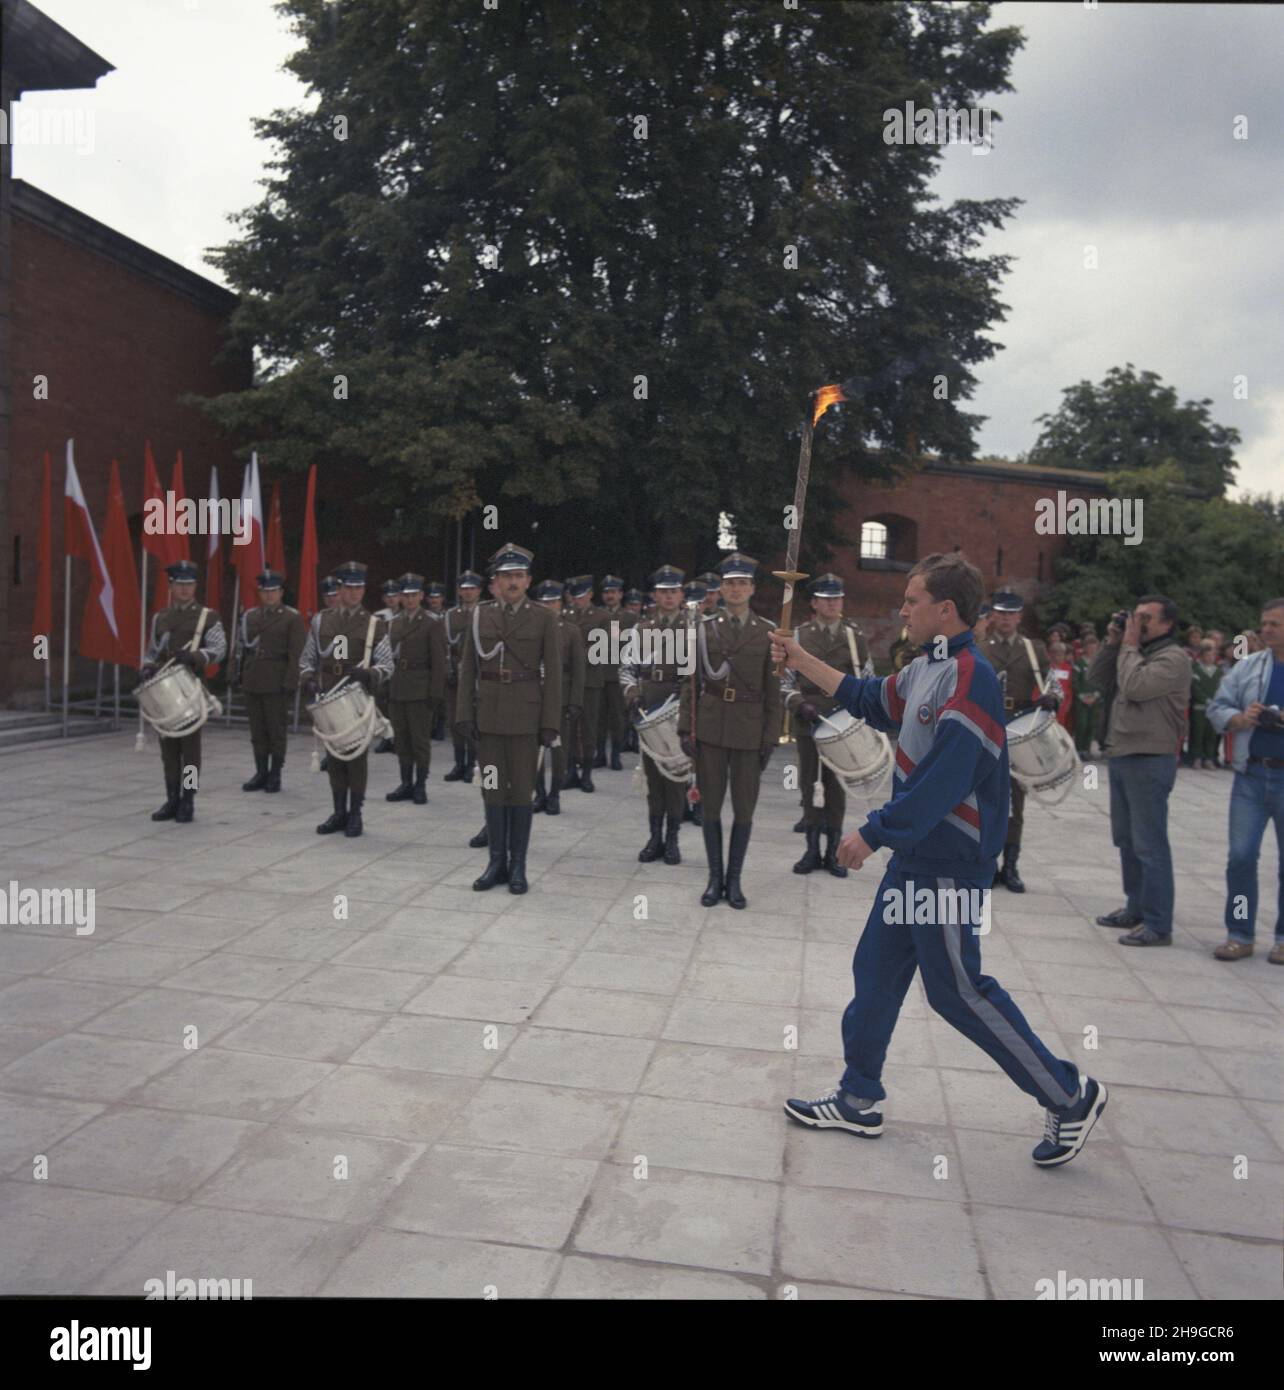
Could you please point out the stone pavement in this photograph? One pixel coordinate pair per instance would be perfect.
(449, 1091)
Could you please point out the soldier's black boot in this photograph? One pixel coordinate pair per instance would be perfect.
(812, 858)
(481, 839)
(553, 806)
(403, 792)
(599, 754)
(385, 745)
(496, 870)
(616, 764)
(167, 811)
(586, 779)
(572, 778)
(186, 809)
(275, 763)
(456, 773)
(325, 763)
(340, 817)
(439, 729)
(541, 791)
(419, 794)
(519, 836)
(800, 827)
(672, 855)
(470, 760)
(259, 780)
(713, 853)
(833, 833)
(735, 862)
(1009, 875)
(697, 813)
(354, 827)
(651, 850)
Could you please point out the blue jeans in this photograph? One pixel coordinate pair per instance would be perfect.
(1140, 784)
(948, 952)
(1256, 797)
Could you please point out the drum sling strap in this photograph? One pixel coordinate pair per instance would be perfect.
(1034, 666)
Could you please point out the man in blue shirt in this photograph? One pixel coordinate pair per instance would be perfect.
(1247, 706)
(946, 824)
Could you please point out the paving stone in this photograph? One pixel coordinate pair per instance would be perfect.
(404, 1264)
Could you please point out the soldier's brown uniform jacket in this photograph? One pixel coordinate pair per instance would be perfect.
(418, 656)
(574, 663)
(271, 650)
(520, 685)
(1011, 663)
(588, 620)
(654, 682)
(320, 656)
(626, 620)
(833, 648)
(742, 709)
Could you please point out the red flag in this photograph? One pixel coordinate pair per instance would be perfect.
(248, 559)
(99, 632)
(308, 559)
(42, 615)
(275, 540)
(158, 539)
(118, 555)
(214, 553)
(182, 551)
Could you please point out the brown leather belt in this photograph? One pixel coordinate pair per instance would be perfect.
(733, 696)
(1268, 762)
(507, 677)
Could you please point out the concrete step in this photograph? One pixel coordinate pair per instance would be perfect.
(26, 729)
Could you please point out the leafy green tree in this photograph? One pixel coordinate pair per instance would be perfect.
(546, 247)
(1217, 559)
(1131, 421)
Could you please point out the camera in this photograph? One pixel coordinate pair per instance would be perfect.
(1269, 718)
(1120, 619)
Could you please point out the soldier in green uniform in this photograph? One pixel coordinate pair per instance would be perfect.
(468, 589)
(1021, 665)
(510, 700)
(712, 599)
(391, 607)
(548, 795)
(435, 606)
(418, 683)
(1205, 677)
(839, 643)
(648, 682)
(589, 619)
(694, 593)
(730, 721)
(633, 602)
(347, 641)
(193, 637)
(614, 721)
(272, 636)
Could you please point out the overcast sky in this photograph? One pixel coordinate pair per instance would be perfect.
(1119, 135)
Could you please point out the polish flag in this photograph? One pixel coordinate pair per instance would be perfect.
(248, 559)
(162, 545)
(100, 637)
(182, 551)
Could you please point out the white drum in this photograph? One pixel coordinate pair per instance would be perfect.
(1041, 753)
(347, 721)
(658, 740)
(856, 754)
(175, 702)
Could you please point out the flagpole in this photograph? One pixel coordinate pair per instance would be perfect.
(140, 738)
(115, 714)
(66, 642)
(98, 690)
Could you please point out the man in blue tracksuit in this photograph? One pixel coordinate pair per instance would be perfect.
(945, 824)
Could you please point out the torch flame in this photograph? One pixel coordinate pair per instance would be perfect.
(825, 397)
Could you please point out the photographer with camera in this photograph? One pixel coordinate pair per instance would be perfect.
(1247, 705)
(1144, 676)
